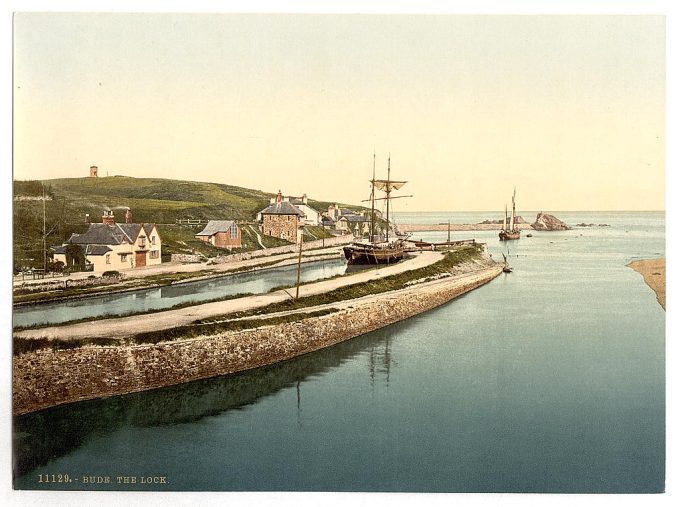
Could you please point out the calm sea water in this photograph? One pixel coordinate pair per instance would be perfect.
(165, 297)
(549, 379)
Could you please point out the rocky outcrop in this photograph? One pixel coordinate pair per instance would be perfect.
(546, 222)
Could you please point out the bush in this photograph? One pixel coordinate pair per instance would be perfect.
(111, 274)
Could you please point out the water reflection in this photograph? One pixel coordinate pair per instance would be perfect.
(72, 426)
(165, 297)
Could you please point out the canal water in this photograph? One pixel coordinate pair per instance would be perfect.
(548, 379)
(165, 297)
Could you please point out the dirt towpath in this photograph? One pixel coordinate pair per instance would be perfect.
(169, 268)
(124, 326)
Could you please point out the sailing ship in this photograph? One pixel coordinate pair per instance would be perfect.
(509, 231)
(506, 267)
(376, 251)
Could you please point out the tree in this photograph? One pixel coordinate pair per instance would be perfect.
(75, 256)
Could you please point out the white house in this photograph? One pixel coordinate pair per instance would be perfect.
(112, 246)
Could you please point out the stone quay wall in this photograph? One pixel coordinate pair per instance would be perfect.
(309, 245)
(255, 254)
(47, 377)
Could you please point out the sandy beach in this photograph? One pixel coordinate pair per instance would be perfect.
(653, 271)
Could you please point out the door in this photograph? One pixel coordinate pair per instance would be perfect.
(140, 259)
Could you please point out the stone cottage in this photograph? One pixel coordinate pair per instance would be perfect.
(282, 220)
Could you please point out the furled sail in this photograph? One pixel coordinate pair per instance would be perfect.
(388, 185)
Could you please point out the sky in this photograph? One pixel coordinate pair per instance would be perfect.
(570, 110)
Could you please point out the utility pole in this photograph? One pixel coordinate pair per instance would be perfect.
(44, 233)
(297, 283)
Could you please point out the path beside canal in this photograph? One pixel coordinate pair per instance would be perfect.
(125, 326)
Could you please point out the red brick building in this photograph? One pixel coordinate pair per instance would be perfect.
(222, 234)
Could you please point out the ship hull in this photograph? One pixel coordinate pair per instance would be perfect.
(508, 235)
(369, 254)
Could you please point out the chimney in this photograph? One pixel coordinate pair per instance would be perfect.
(128, 216)
(304, 198)
(108, 218)
(279, 197)
(93, 171)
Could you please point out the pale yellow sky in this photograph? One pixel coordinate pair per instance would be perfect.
(569, 109)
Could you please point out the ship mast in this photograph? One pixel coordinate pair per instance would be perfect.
(512, 217)
(387, 197)
(505, 222)
(372, 237)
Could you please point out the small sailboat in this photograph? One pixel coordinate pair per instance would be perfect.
(506, 266)
(509, 231)
(378, 252)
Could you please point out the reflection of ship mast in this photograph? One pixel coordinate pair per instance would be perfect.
(371, 365)
(297, 388)
(387, 359)
(381, 358)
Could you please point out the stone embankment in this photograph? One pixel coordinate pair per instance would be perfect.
(47, 377)
(256, 254)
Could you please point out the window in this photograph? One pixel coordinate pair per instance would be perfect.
(123, 257)
(153, 254)
(108, 258)
(142, 241)
(153, 240)
(233, 231)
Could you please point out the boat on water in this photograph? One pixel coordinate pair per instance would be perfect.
(509, 230)
(375, 251)
(506, 266)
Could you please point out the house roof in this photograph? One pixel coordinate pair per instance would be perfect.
(59, 249)
(96, 249)
(327, 220)
(215, 226)
(354, 218)
(105, 234)
(282, 208)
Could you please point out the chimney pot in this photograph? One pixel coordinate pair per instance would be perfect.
(108, 218)
(128, 216)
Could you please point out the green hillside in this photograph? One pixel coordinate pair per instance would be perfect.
(155, 200)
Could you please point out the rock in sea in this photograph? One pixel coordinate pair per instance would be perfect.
(546, 222)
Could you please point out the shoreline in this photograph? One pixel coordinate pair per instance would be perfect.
(653, 272)
(168, 319)
(216, 273)
(96, 371)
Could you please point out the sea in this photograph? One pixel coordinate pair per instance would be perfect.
(547, 379)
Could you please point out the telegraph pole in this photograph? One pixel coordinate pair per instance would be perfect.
(297, 283)
(44, 233)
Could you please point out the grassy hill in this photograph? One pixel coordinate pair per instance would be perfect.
(155, 200)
